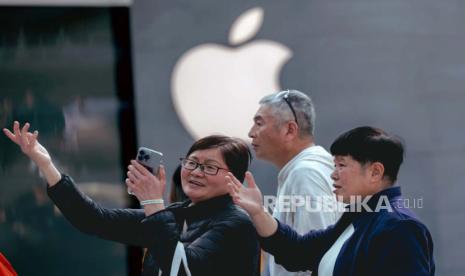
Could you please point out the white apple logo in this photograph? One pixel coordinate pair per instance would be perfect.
(216, 89)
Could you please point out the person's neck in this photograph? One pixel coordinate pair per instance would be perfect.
(291, 151)
(385, 184)
(381, 186)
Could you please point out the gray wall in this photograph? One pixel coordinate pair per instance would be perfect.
(399, 65)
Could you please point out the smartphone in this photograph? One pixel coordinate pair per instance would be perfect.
(150, 159)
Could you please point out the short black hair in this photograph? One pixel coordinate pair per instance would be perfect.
(369, 144)
(235, 152)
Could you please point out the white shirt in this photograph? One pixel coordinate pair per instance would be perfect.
(307, 176)
(327, 263)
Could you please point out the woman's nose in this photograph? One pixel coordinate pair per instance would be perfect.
(198, 171)
(334, 175)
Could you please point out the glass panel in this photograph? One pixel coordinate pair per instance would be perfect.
(58, 72)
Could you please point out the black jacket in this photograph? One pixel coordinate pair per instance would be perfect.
(219, 240)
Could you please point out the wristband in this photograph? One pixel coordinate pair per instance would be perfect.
(151, 201)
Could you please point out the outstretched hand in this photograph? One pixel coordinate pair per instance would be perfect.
(31, 147)
(29, 144)
(251, 200)
(248, 198)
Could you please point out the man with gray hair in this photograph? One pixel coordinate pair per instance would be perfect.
(282, 134)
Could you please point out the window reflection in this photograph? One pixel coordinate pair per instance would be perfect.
(58, 73)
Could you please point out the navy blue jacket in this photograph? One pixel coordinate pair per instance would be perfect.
(387, 242)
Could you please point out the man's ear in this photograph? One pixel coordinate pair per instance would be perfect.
(292, 129)
(377, 171)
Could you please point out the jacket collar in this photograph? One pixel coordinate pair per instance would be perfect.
(390, 194)
(205, 208)
(378, 202)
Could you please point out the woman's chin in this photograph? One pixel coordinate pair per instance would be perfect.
(193, 195)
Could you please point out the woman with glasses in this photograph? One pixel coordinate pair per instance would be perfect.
(205, 235)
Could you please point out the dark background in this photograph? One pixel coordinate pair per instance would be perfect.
(66, 70)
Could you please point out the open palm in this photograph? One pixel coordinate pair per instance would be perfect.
(248, 198)
(28, 143)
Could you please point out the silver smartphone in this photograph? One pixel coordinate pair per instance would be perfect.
(150, 159)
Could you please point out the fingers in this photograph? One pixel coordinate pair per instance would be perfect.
(24, 131)
(138, 173)
(21, 136)
(10, 135)
(162, 174)
(137, 169)
(130, 185)
(250, 180)
(142, 183)
(233, 193)
(232, 187)
(13, 136)
(33, 137)
(234, 180)
(16, 129)
(131, 176)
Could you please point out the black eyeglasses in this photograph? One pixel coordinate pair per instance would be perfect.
(286, 99)
(207, 169)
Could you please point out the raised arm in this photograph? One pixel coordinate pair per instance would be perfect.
(122, 225)
(31, 147)
(293, 251)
